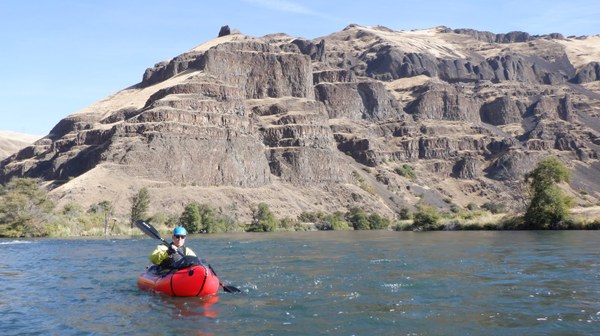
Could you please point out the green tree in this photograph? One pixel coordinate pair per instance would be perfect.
(191, 218)
(106, 209)
(73, 218)
(263, 220)
(548, 204)
(140, 203)
(210, 221)
(337, 221)
(287, 223)
(24, 209)
(202, 218)
(426, 218)
(230, 218)
(376, 222)
(359, 219)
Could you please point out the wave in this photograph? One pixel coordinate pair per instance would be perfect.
(14, 242)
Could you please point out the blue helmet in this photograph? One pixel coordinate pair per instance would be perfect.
(180, 231)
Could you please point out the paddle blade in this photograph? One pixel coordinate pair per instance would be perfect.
(148, 229)
(230, 289)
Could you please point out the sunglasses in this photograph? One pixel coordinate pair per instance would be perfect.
(179, 237)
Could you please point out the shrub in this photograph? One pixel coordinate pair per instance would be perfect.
(190, 218)
(323, 226)
(229, 218)
(163, 219)
(472, 206)
(595, 225)
(402, 227)
(454, 208)
(511, 223)
(493, 207)
(210, 221)
(406, 171)
(358, 218)
(263, 219)
(338, 223)
(376, 222)
(202, 218)
(287, 223)
(311, 217)
(404, 214)
(426, 218)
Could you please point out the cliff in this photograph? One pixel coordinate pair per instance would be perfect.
(325, 124)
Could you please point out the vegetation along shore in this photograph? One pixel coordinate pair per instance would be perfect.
(26, 210)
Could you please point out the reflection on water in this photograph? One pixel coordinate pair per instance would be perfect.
(338, 283)
(197, 306)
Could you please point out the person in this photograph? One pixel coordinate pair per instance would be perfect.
(166, 256)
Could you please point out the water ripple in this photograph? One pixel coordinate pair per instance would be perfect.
(340, 283)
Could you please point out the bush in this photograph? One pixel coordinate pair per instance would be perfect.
(404, 214)
(263, 219)
(190, 218)
(595, 225)
(426, 218)
(162, 219)
(311, 217)
(202, 218)
(323, 226)
(406, 171)
(511, 223)
(338, 223)
(494, 208)
(287, 224)
(229, 218)
(358, 218)
(454, 208)
(402, 227)
(377, 222)
(333, 221)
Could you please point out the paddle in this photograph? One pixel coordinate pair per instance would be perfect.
(152, 232)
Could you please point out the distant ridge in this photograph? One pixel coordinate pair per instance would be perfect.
(12, 142)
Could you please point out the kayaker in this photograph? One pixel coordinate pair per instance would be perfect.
(166, 256)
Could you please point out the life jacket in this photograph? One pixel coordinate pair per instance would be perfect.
(173, 258)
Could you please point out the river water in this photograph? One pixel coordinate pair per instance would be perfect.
(313, 283)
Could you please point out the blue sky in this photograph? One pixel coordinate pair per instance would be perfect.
(60, 56)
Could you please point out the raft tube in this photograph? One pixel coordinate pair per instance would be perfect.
(195, 280)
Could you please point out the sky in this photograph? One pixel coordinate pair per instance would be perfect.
(59, 56)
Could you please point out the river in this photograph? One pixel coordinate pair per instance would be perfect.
(313, 283)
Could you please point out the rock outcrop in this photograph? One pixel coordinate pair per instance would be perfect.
(303, 124)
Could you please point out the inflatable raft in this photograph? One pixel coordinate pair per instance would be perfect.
(189, 277)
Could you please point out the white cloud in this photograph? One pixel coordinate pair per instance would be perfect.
(283, 6)
(293, 8)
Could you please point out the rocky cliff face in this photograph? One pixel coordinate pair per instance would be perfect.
(325, 124)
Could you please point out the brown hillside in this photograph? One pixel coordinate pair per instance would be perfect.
(327, 124)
